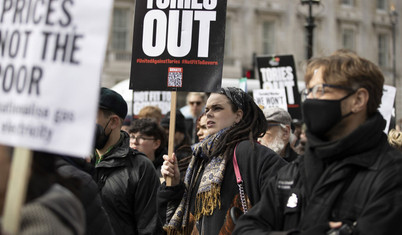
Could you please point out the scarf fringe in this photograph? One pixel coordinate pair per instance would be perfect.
(207, 202)
(170, 230)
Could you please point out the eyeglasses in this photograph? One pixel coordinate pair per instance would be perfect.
(198, 103)
(319, 90)
(139, 138)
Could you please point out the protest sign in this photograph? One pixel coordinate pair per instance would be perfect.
(51, 55)
(160, 99)
(178, 45)
(387, 104)
(279, 72)
(270, 98)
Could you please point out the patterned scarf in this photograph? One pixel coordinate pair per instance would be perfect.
(208, 192)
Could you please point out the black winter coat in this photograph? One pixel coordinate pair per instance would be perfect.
(356, 180)
(128, 185)
(290, 154)
(97, 220)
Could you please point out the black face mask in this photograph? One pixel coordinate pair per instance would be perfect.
(100, 136)
(321, 116)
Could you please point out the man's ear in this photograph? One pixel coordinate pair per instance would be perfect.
(156, 144)
(115, 122)
(360, 101)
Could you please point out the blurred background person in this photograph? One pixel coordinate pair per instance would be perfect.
(149, 137)
(181, 136)
(195, 105)
(151, 112)
(297, 129)
(395, 139)
(300, 148)
(202, 130)
(126, 123)
(191, 112)
(51, 205)
(278, 133)
(96, 219)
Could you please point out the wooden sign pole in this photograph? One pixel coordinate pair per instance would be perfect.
(16, 190)
(172, 129)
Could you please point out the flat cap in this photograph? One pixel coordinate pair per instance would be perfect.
(279, 115)
(112, 101)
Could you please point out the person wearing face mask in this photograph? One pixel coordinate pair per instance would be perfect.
(349, 179)
(204, 202)
(126, 178)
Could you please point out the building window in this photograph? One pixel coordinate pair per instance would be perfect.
(120, 35)
(382, 5)
(228, 38)
(348, 39)
(348, 2)
(383, 46)
(268, 37)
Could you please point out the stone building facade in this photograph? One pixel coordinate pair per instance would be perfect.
(274, 27)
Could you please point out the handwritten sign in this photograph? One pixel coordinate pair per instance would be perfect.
(51, 53)
(270, 98)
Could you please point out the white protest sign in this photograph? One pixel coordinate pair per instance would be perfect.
(160, 99)
(51, 55)
(270, 98)
(387, 104)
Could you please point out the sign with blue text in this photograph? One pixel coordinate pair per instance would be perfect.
(279, 72)
(178, 45)
(51, 56)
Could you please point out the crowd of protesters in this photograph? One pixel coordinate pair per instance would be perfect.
(236, 168)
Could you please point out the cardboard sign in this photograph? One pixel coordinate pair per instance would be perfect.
(387, 104)
(178, 45)
(51, 55)
(270, 98)
(279, 72)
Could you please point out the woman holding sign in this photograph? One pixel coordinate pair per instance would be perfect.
(209, 199)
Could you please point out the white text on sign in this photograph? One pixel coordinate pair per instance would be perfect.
(278, 78)
(161, 30)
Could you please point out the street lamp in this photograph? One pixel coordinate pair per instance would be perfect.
(310, 25)
(393, 15)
